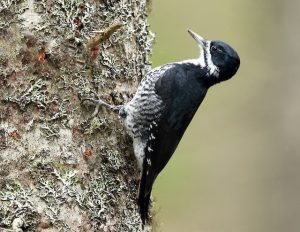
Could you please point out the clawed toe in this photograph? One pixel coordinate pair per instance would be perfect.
(98, 102)
(95, 102)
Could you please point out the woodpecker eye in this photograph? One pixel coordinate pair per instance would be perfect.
(213, 49)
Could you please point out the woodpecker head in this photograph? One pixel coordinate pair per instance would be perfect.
(221, 60)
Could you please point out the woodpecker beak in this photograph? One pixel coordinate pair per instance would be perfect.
(199, 39)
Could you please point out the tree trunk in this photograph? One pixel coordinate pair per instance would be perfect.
(61, 170)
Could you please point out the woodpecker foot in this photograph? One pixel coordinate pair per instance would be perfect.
(98, 102)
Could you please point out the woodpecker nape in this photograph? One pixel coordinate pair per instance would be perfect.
(164, 105)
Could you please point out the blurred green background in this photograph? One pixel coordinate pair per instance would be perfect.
(237, 169)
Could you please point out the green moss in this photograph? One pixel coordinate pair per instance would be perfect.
(61, 167)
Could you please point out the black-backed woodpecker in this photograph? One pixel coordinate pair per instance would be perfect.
(164, 105)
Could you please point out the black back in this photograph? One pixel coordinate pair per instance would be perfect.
(182, 89)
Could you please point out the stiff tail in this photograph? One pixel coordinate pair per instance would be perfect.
(144, 194)
(144, 203)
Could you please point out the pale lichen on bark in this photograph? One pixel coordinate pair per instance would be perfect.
(59, 170)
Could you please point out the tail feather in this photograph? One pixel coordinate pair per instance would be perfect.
(144, 203)
(144, 195)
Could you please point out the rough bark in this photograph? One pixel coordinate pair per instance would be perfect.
(60, 170)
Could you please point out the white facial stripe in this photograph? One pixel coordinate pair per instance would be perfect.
(202, 57)
(213, 69)
(204, 60)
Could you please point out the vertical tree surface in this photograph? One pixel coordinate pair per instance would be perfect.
(59, 168)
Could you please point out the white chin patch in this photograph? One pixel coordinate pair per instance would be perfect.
(206, 61)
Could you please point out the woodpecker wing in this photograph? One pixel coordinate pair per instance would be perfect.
(181, 90)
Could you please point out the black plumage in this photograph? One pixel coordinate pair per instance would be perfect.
(181, 91)
(181, 88)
